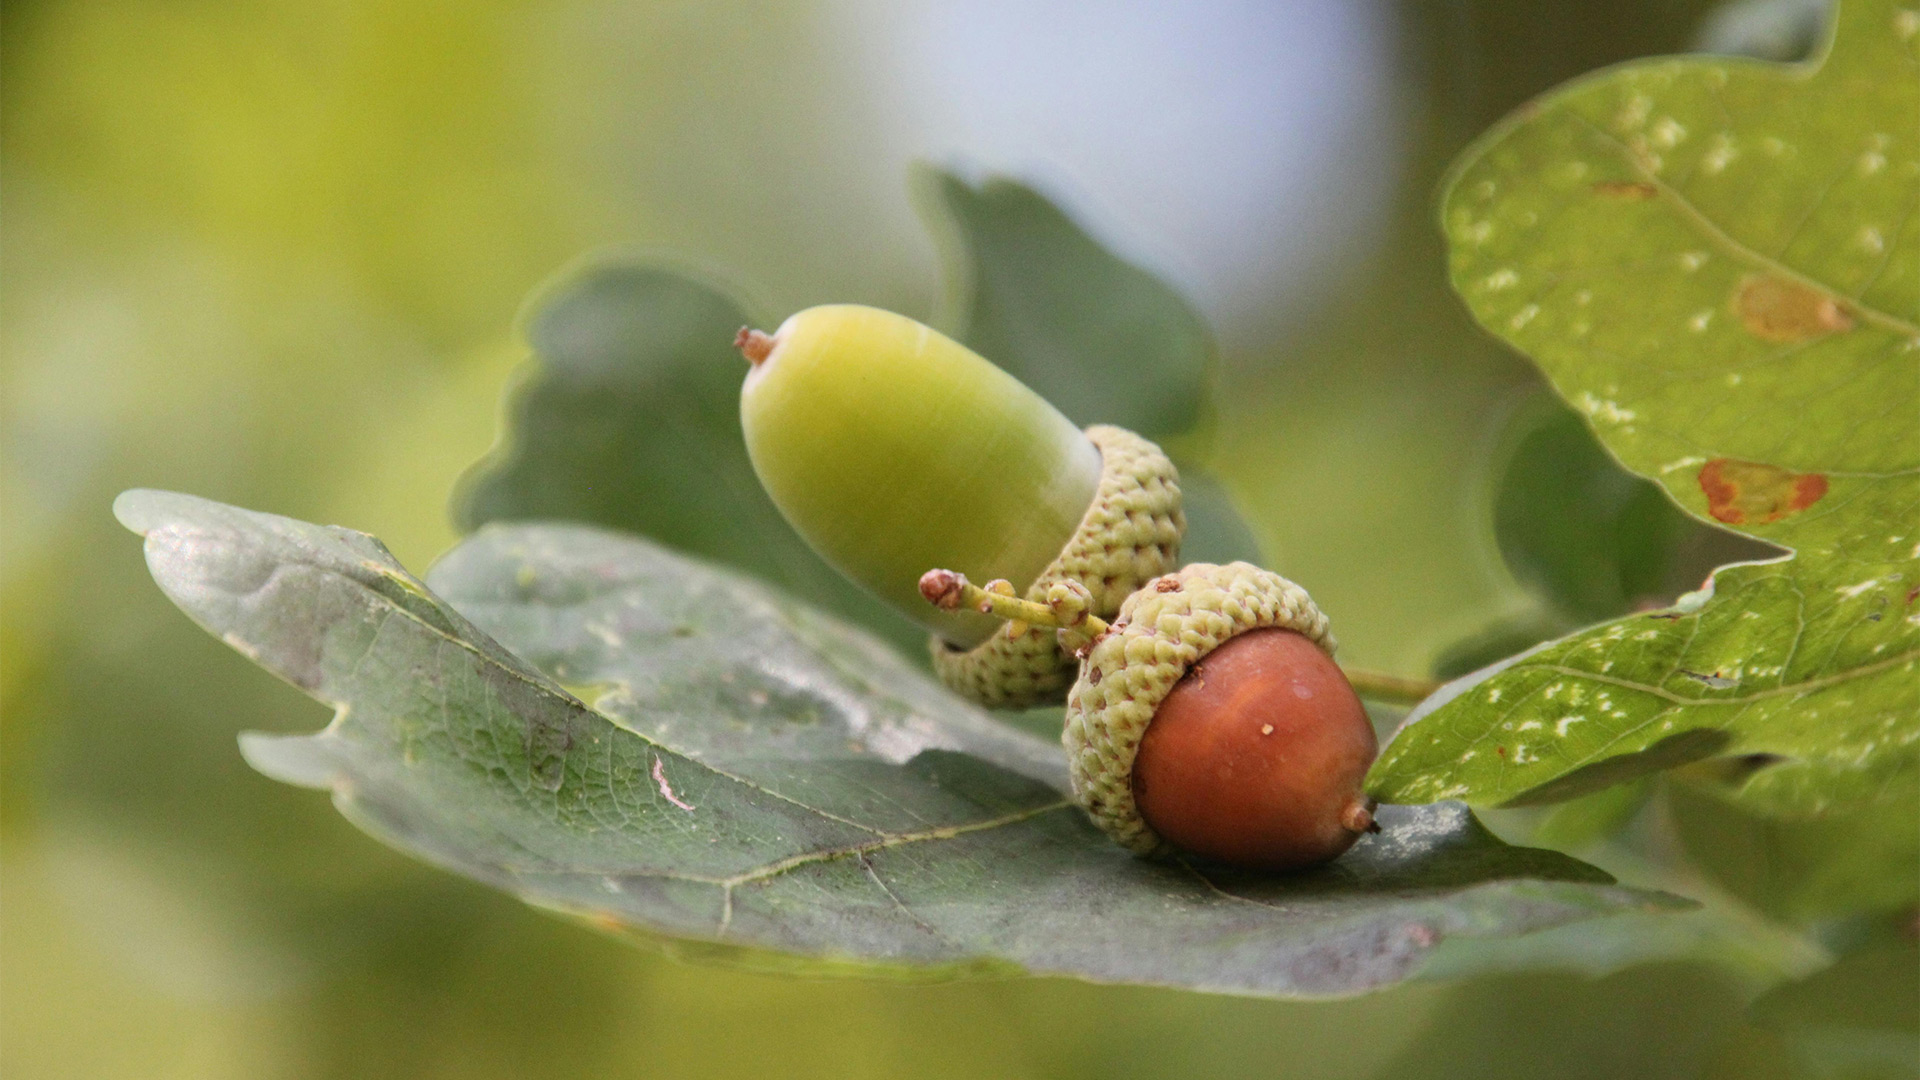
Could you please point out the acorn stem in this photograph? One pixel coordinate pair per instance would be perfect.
(949, 590)
(1066, 609)
(1391, 688)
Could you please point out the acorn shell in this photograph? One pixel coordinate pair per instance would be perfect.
(1131, 533)
(1161, 632)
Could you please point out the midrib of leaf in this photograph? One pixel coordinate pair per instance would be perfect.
(1717, 236)
(751, 785)
(414, 587)
(1214, 888)
(1784, 690)
(886, 842)
(1743, 700)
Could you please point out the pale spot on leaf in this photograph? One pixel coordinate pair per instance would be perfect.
(1668, 132)
(1633, 113)
(1718, 156)
(1848, 592)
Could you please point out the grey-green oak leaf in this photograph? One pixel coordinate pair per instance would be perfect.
(655, 745)
(1717, 261)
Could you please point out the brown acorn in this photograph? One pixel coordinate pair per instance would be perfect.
(1209, 718)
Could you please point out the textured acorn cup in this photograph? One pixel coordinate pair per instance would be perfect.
(891, 448)
(1211, 719)
(1130, 534)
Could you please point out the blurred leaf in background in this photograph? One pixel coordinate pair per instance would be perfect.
(1588, 539)
(1859, 1018)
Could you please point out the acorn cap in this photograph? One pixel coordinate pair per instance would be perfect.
(1131, 533)
(1161, 632)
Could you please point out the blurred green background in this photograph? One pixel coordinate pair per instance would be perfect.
(270, 253)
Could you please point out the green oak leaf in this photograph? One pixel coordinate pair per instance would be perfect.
(660, 747)
(1717, 261)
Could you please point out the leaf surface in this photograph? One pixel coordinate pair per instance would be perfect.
(608, 729)
(1717, 261)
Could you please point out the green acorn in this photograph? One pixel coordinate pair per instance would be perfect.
(892, 448)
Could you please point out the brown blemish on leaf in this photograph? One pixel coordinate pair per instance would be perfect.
(1625, 189)
(1748, 492)
(1775, 309)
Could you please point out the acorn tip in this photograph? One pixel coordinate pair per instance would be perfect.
(755, 345)
(942, 588)
(1358, 817)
